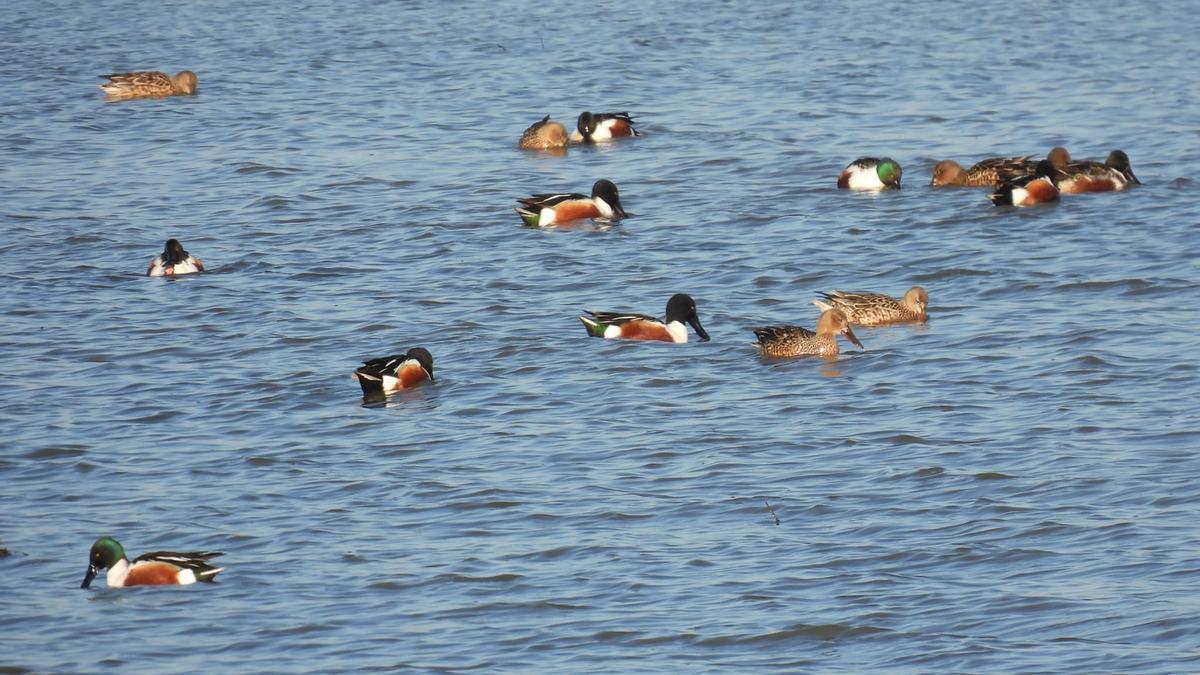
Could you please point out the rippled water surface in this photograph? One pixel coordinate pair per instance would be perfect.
(1011, 487)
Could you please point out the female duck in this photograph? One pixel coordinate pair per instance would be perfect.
(148, 84)
(877, 309)
(784, 341)
(991, 172)
(544, 135)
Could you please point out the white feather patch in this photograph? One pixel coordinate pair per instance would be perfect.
(603, 131)
(677, 331)
(864, 179)
(116, 574)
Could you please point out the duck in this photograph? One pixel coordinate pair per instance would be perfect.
(787, 341)
(992, 172)
(600, 127)
(870, 173)
(681, 309)
(877, 309)
(173, 261)
(1075, 177)
(149, 84)
(161, 568)
(1039, 188)
(544, 135)
(390, 374)
(543, 210)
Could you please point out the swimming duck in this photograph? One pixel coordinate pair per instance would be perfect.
(542, 210)
(390, 374)
(680, 309)
(870, 173)
(544, 135)
(1039, 188)
(149, 84)
(174, 261)
(1113, 175)
(877, 309)
(160, 568)
(600, 127)
(784, 341)
(991, 172)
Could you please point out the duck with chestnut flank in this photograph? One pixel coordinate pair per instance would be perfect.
(681, 309)
(543, 210)
(160, 568)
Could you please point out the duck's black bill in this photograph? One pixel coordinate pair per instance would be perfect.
(87, 578)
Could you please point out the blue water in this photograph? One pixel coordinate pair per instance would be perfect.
(1011, 487)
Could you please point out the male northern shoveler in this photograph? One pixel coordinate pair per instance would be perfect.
(870, 173)
(174, 261)
(148, 84)
(555, 209)
(599, 127)
(1039, 188)
(390, 374)
(544, 135)
(1074, 177)
(877, 309)
(150, 569)
(992, 172)
(781, 341)
(680, 309)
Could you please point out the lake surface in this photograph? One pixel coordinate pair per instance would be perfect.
(1011, 487)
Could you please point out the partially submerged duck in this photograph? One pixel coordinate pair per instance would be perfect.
(600, 127)
(173, 261)
(870, 173)
(544, 135)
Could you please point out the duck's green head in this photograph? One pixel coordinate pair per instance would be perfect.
(889, 172)
(105, 553)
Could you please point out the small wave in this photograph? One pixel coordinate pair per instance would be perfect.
(273, 171)
(467, 578)
(953, 273)
(55, 452)
(825, 632)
